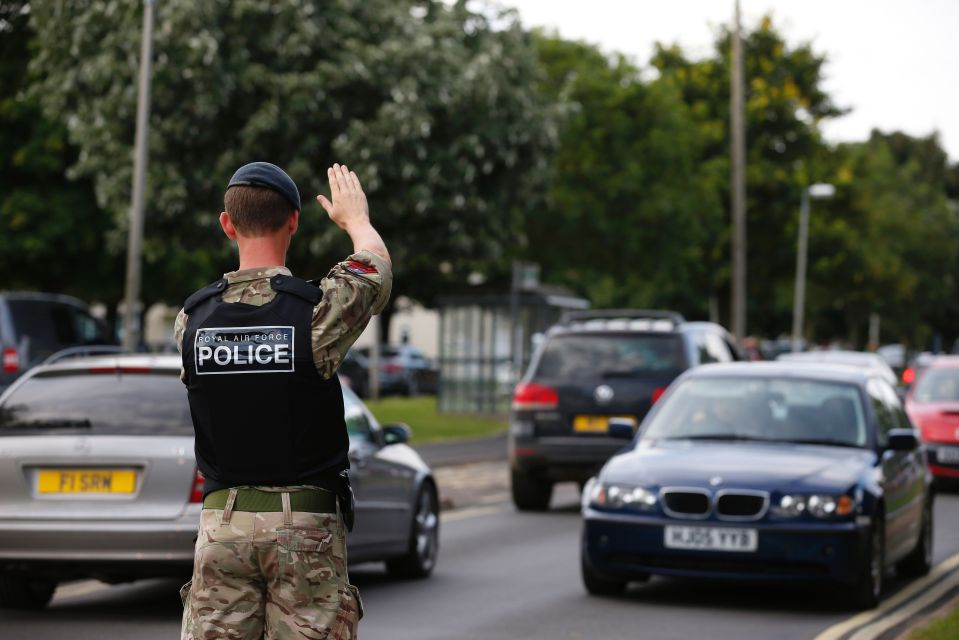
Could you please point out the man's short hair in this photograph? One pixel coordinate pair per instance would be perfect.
(256, 211)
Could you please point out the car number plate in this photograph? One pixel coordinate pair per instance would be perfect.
(948, 455)
(86, 481)
(710, 538)
(597, 424)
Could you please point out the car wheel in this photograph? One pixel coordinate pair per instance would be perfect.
(21, 591)
(596, 584)
(919, 561)
(424, 538)
(530, 492)
(867, 591)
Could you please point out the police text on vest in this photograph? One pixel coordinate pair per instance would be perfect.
(218, 350)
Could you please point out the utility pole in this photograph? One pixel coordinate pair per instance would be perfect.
(132, 304)
(799, 290)
(738, 190)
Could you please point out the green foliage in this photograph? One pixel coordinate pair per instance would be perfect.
(428, 425)
(888, 243)
(429, 103)
(478, 143)
(632, 210)
(784, 104)
(50, 227)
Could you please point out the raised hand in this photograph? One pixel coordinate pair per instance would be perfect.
(348, 208)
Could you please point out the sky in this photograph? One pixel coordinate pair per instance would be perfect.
(895, 63)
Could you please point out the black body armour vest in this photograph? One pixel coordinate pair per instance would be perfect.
(261, 413)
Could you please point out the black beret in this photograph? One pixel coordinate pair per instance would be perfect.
(264, 174)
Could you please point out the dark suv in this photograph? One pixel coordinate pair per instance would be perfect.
(33, 326)
(592, 367)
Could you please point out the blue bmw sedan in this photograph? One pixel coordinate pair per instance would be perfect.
(765, 471)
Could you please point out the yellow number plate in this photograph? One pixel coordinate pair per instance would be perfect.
(86, 481)
(596, 424)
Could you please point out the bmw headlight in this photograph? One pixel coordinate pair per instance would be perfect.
(618, 496)
(821, 506)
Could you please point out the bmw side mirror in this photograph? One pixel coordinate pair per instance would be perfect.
(903, 440)
(396, 433)
(620, 428)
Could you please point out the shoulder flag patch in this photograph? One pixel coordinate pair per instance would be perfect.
(360, 268)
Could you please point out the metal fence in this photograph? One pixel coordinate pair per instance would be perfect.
(486, 343)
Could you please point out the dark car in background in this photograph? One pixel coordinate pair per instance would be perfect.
(933, 405)
(404, 369)
(98, 479)
(354, 371)
(590, 368)
(765, 472)
(33, 326)
(872, 361)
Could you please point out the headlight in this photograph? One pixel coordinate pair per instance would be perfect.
(817, 505)
(617, 496)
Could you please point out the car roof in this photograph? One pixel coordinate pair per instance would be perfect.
(824, 371)
(39, 296)
(837, 356)
(160, 362)
(629, 321)
(944, 362)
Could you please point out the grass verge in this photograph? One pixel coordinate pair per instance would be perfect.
(428, 424)
(940, 628)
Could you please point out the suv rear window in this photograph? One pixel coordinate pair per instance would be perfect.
(611, 355)
(131, 404)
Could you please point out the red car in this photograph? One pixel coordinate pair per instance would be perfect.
(933, 406)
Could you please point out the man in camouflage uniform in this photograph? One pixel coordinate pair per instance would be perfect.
(271, 560)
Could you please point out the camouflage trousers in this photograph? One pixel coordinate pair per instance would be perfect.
(270, 575)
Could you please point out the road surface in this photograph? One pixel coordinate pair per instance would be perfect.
(501, 575)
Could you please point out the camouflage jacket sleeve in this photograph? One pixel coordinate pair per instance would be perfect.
(353, 291)
(179, 328)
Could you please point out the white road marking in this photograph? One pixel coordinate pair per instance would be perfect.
(837, 631)
(77, 589)
(885, 623)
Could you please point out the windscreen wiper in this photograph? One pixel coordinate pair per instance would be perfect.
(823, 441)
(82, 423)
(725, 437)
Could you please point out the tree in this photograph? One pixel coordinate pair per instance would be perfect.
(632, 209)
(47, 222)
(432, 105)
(889, 244)
(784, 105)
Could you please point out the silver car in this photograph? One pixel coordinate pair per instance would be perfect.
(98, 480)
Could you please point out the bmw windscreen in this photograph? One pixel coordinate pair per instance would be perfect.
(769, 409)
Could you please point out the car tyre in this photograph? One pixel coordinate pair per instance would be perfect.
(530, 492)
(419, 560)
(867, 591)
(919, 561)
(22, 591)
(597, 585)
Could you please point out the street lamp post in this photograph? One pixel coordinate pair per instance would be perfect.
(814, 191)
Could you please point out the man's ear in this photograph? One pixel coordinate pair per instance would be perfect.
(227, 225)
(294, 221)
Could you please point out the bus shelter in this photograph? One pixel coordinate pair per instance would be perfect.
(486, 342)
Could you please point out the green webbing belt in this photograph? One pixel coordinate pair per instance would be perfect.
(247, 499)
